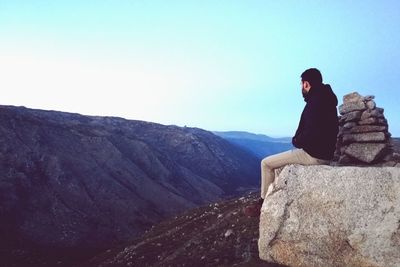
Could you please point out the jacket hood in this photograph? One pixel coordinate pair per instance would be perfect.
(323, 91)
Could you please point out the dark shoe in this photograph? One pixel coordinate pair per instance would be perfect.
(254, 209)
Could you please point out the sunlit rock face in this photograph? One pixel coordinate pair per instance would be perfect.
(332, 216)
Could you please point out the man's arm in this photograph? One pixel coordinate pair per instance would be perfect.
(295, 142)
(294, 138)
(308, 126)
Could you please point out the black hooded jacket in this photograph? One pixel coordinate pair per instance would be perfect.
(318, 127)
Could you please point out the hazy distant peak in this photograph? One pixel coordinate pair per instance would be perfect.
(251, 136)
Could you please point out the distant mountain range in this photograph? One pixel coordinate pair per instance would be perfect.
(258, 144)
(75, 184)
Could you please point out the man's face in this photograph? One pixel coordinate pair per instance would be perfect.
(303, 90)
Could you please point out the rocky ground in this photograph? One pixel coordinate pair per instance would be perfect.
(218, 234)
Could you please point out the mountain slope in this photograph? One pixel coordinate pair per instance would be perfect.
(218, 234)
(258, 144)
(81, 183)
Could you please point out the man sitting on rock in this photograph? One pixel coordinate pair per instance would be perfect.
(315, 138)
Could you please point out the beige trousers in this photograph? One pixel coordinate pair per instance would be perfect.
(294, 156)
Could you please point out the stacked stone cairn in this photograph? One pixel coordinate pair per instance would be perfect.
(363, 131)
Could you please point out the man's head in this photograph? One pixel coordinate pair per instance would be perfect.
(310, 78)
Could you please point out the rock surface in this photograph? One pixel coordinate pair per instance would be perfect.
(351, 106)
(365, 152)
(361, 124)
(364, 137)
(332, 216)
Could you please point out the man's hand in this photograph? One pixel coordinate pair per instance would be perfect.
(294, 142)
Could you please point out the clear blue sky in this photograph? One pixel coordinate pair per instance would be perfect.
(217, 65)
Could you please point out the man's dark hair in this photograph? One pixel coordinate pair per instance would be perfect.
(313, 76)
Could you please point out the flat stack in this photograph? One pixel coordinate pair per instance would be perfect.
(363, 131)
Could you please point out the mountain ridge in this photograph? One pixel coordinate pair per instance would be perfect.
(252, 136)
(82, 183)
(258, 144)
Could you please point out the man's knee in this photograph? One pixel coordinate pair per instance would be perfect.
(265, 163)
(279, 160)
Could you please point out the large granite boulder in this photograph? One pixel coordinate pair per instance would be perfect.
(332, 216)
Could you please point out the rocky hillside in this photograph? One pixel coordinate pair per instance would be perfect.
(218, 234)
(74, 184)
